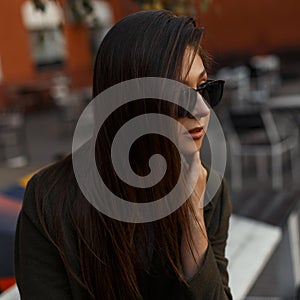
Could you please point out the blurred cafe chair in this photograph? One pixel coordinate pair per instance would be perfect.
(60, 93)
(68, 102)
(265, 73)
(13, 148)
(253, 131)
(237, 83)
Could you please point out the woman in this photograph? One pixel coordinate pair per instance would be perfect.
(67, 249)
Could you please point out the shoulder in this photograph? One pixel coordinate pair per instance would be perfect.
(51, 177)
(44, 193)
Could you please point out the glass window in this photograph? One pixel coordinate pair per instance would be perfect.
(46, 36)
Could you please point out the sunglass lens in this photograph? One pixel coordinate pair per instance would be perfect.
(213, 92)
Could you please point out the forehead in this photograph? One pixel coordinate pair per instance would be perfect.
(192, 65)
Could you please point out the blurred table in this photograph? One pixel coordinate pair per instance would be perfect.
(29, 96)
(281, 277)
(286, 102)
(289, 105)
(11, 294)
(250, 245)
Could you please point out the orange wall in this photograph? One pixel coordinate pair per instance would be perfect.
(14, 45)
(16, 60)
(79, 56)
(78, 51)
(249, 26)
(231, 26)
(122, 8)
(256, 26)
(17, 64)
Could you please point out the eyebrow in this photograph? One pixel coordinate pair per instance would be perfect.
(203, 73)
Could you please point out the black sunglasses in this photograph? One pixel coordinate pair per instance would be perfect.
(210, 90)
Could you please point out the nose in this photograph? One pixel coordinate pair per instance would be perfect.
(201, 109)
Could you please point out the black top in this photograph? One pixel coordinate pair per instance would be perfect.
(41, 274)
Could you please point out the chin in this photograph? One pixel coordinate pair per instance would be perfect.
(189, 148)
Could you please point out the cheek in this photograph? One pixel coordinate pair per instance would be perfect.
(201, 109)
(181, 122)
(206, 121)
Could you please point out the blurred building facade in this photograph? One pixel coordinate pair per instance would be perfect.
(31, 54)
(235, 30)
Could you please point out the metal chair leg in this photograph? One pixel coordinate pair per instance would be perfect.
(277, 180)
(294, 240)
(236, 171)
(295, 166)
(261, 167)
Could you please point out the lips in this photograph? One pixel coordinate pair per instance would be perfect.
(196, 129)
(196, 133)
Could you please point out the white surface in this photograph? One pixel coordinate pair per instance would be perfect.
(250, 245)
(11, 294)
(293, 228)
(102, 14)
(35, 19)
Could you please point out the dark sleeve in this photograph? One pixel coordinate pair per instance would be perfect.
(39, 270)
(211, 282)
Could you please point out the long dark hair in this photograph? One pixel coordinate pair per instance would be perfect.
(112, 257)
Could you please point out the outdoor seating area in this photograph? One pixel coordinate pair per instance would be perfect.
(265, 195)
(260, 118)
(49, 71)
(260, 122)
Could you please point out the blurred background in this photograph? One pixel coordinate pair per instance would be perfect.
(47, 51)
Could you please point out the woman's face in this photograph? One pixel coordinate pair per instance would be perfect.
(195, 126)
